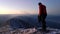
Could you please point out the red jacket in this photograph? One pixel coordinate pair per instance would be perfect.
(42, 10)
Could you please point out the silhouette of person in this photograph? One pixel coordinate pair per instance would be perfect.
(42, 15)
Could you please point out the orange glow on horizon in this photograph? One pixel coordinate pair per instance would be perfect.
(14, 11)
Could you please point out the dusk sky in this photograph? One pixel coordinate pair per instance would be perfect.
(28, 6)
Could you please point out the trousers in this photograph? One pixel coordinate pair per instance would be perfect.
(43, 22)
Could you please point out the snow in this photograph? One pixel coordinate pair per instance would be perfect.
(35, 31)
(8, 30)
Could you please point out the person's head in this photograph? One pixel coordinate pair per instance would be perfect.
(39, 3)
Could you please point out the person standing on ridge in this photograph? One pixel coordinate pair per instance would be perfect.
(42, 15)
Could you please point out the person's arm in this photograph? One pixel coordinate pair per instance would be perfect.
(45, 11)
(40, 9)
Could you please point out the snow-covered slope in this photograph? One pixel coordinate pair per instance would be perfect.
(8, 30)
(27, 24)
(35, 31)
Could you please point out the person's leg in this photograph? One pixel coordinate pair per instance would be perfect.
(38, 18)
(43, 23)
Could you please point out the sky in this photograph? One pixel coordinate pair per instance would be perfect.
(28, 6)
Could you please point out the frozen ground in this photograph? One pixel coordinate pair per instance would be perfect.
(8, 30)
(35, 31)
